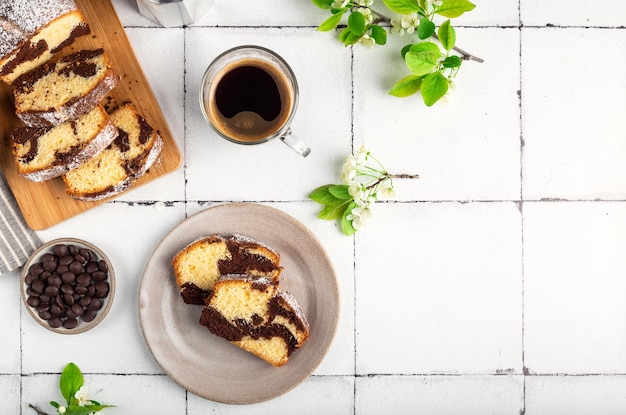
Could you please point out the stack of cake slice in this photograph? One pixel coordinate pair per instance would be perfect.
(59, 96)
(236, 278)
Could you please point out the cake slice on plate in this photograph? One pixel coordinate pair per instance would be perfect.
(253, 314)
(205, 260)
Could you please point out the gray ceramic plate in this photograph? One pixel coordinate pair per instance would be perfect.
(209, 366)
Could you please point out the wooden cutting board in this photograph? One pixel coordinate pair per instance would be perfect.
(45, 204)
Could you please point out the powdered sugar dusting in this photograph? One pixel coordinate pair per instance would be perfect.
(31, 15)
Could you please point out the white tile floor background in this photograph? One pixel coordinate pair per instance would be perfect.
(496, 284)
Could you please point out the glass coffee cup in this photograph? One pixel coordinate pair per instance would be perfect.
(249, 95)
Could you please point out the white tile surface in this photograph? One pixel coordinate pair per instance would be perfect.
(461, 150)
(403, 395)
(454, 306)
(573, 13)
(10, 361)
(575, 395)
(574, 287)
(492, 285)
(10, 392)
(573, 129)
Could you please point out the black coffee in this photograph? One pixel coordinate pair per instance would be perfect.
(251, 100)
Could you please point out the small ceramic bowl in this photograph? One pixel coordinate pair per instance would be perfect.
(68, 291)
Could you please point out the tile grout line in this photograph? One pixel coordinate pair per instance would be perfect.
(354, 277)
(521, 208)
(185, 30)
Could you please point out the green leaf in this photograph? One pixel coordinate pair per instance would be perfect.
(356, 23)
(323, 4)
(454, 8)
(85, 410)
(402, 6)
(332, 22)
(340, 191)
(452, 62)
(425, 29)
(434, 86)
(422, 58)
(71, 381)
(407, 86)
(405, 50)
(322, 195)
(334, 211)
(379, 35)
(346, 225)
(447, 35)
(347, 37)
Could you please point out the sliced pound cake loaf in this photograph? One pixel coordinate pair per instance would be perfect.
(204, 261)
(252, 313)
(32, 31)
(42, 153)
(64, 89)
(128, 157)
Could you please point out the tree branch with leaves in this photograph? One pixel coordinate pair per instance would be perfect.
(434, 59)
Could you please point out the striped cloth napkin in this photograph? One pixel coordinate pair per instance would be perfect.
(17, 240)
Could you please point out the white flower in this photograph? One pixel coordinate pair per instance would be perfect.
(61, 410)
(82, 395)
(386, 190)
(359, 215)
(367, 13)
(337, 4)
(367, 40)
(396, 26)
(410, 22)
(356, 191)
(361, 154)
(348, 171)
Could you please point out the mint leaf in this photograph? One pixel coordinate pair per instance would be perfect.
(379, 35)
(422, 58)
(447, 35)
(346, 225)
(332, 22)
(454, 8)
(340, 191)
(402, 6)
(407, 86)
(356, 23)
(434, 86)
(71, 381)
(425, 29)
(334, 211)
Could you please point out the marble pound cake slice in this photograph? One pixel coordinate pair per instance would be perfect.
(42, 153)
(253, 314)
(64, 89)
(205, 260)
(128, 157)
(33, 31)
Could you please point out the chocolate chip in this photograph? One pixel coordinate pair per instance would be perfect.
(69, 284)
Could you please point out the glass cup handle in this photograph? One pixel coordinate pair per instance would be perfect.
(296, 144)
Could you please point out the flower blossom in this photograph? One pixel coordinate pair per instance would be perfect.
(61, 410)
(82, 396)
(348, 171)
(359, 215)
(405, 22)
(367, 13)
